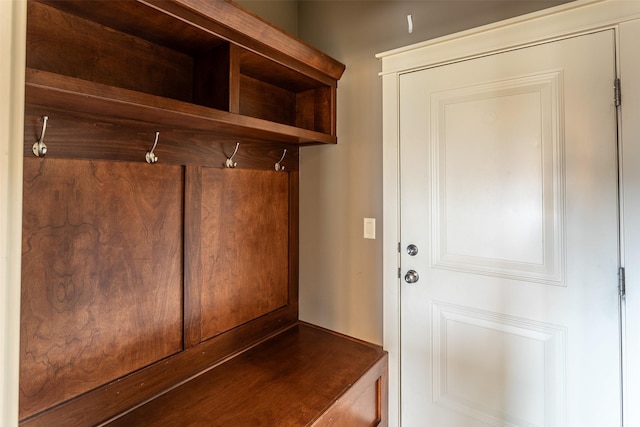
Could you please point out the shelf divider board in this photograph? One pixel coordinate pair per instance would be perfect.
(234, 79)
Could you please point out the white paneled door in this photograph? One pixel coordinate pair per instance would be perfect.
(509, 239)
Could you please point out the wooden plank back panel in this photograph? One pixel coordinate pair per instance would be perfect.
(101, 274)
(244, 246)
(86, 136)
(266, 101)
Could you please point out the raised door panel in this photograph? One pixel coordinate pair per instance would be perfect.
(101, 274)
(497, 204)
(244, 247)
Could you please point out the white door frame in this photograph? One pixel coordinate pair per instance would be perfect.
(13, 30)
(550, 24)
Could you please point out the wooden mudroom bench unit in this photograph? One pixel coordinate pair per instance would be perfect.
(160, 222)
(302, 376)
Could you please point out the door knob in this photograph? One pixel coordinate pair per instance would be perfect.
(412, 250)
(411, 276)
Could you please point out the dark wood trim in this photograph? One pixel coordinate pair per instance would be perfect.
(375, 381)
(244, 246)
(234, 79)
(294, 237)
(193, 260)
(334, 106)
(102, 274)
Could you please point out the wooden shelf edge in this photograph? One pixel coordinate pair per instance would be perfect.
(49, 89)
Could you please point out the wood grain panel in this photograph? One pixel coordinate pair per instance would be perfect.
(101, 274)
(104, 402)
(244, 246)
(87, 136)
(305, 113)
(325, 110)
(314, 110)
(192, 256)
(364, 404)
(266, 101)
(63, 43)
(294, 239)
(234, 79)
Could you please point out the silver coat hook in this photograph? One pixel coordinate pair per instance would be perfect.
(151, 157)
(279, 166)
(230, 163)
(39, 148)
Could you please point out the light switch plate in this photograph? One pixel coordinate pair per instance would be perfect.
(369, 228)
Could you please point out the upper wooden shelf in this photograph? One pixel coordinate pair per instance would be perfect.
(68, 93)
(193, 64)
(193, 25)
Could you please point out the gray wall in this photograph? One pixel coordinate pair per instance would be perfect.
(281, 13)
(340, 271)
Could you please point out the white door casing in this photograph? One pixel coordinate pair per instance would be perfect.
(508, 180)
(550, 24)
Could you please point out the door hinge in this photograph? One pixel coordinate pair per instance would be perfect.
(621, 282)
(617, 94)
(398, 267)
